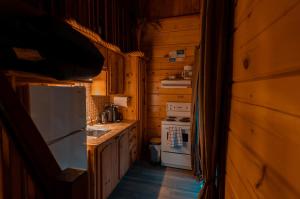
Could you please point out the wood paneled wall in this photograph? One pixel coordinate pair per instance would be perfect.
(171, 34)
(156, 9)
(264, 138)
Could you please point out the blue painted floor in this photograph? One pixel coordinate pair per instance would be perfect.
(144, 181)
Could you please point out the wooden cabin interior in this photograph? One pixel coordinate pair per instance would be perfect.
(149, 99)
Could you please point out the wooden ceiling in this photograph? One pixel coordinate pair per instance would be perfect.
(114, 20)
(157, 9)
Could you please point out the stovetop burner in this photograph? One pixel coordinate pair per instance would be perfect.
(171, 119)
(177, 119)
(185, 119)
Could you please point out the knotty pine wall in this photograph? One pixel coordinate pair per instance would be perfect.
(159, 39)
(156, 9)
(264, 138)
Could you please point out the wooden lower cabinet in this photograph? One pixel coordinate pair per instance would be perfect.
(109, 168)
(110, 161)
(133, 144)
(124, 153)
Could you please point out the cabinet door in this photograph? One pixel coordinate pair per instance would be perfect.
(110, 168)
(113, 72)
(121, 71)
(106, 163)
(133, 146)
(116, 72)
(124, 154)
(115, 165)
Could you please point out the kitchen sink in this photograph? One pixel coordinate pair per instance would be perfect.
(95, 131)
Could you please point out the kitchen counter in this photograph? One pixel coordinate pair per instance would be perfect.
(115, 130)
(110, 156)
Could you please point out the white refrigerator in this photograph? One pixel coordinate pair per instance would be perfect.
(60, 115)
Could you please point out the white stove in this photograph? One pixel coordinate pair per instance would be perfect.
(178, 118)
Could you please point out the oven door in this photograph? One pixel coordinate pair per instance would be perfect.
(186, 138)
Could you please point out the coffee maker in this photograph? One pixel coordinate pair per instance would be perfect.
(111, 113)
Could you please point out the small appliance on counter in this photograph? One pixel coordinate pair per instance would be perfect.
(111, 114)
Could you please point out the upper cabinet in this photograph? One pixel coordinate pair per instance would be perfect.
(116, 72)
(111, 78)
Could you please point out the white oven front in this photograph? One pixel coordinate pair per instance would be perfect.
(186, 138)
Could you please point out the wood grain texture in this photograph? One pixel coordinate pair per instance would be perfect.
(156, 9)
(251, 169)
(109, 160)
(161, 63)
(271, 50)
(135, 89)
(180, 37)
(169, 34)
(229, 190)
(242, 10)
(124, 153)
(131, 88)
(264, 141)
(275, 93)
(106, 170)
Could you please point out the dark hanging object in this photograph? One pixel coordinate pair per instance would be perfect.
(38, 43)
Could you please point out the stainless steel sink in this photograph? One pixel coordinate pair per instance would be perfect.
(95, 132)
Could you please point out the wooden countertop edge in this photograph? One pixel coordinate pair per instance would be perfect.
(112, 134)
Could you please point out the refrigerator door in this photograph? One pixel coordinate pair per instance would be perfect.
(57, 111)
(70, 152)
